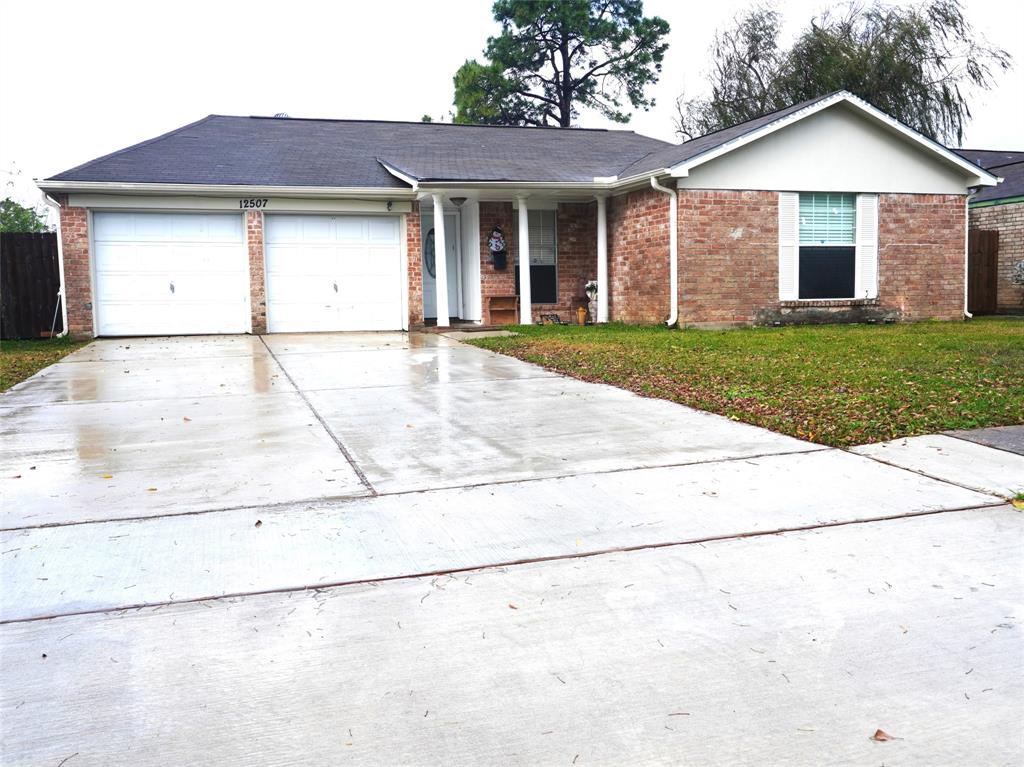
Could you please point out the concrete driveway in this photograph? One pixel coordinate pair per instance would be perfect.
(392, 548)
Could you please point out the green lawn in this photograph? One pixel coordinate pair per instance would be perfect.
(21, 359)
(837, 385)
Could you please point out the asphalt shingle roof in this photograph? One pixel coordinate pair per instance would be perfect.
(270, 151)
(298, 152)
(1008, 165)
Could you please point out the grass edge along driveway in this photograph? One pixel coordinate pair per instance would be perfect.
(837, 385)
(24, 358)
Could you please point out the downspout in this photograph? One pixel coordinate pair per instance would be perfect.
(967, 248)
(60, 266)
(673, 252)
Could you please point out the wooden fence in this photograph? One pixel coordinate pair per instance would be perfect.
(982, 271)
(29, 285)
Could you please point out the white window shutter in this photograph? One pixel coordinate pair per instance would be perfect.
(866, 274)
(789, 235)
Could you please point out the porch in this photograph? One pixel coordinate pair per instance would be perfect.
(552, 244)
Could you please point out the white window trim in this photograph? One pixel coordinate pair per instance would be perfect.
(865, 245)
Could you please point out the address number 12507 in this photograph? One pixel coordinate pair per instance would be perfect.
(253, 202)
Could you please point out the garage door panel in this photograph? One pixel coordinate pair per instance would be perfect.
(302, 317)
(295, 259)
(206, 258)
(153, 226)
(384, 230)
(296, 289)
(303, 269)
(112, 228)
(131, 289)
(298, 229)
(139, 257)
(351, 229)
(226, 229)
(128, 258)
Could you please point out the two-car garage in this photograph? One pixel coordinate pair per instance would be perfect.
(182, 273)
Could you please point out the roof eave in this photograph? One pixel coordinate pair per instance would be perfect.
(121, 187)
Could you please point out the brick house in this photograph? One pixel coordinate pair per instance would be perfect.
(1000, 209)
(826, 211)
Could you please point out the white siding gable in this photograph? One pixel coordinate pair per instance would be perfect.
(836, 150)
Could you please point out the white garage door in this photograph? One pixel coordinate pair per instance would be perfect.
(333, 273)
(170, 274)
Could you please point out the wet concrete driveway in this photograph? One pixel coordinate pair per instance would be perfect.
(143, 427)
(398, 549)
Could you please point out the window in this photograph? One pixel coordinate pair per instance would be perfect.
(828, 245)
(543, 257)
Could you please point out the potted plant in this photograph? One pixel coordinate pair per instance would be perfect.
(591, 290)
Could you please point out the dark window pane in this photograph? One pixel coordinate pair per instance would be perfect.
(543, 284)
(826, 272)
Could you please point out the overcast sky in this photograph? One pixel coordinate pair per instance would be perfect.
(96, 76)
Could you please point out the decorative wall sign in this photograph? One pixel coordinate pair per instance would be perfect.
(499, 250)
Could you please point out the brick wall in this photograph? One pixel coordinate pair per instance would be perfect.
(921, 239)
(728, 255)
(74, 233)
(497, 282)
(576, 238)
(1008, 220)
(257, 270)
(414, 266)
(728, 259)
(638, 261)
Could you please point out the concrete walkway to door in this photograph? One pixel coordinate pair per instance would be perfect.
(375, 537)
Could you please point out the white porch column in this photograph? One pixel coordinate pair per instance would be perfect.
(440, 264)
(603, 288)
(525, 300)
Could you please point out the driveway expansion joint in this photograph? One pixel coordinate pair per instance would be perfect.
(323, 586)
(330, 432)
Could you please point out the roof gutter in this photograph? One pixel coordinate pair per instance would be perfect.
(222, 190)
(60, 267)
(967, 251)
(673, 252)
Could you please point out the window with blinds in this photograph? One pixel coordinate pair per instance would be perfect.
(828, 218)
(828, 238)
(543, 256)
(542, 237)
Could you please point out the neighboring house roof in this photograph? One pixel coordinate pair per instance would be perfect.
(299, 152)
(1008, 165)
(364, 154)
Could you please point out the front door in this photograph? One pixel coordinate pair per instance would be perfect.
(429, 256)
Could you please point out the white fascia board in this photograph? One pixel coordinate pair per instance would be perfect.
(577, 190)
(197, 203)
(400, 175)
(978, 176)
(245, 190)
